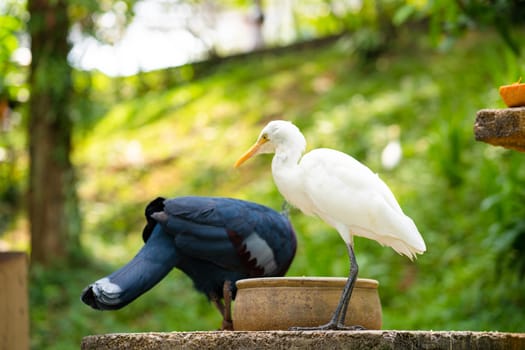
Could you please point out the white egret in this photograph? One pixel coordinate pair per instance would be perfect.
(341, 191)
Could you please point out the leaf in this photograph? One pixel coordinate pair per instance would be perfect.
(403, 14)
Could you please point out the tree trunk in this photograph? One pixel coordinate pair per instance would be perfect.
(52, 201)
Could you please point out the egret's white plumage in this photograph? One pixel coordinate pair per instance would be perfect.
(340, 190)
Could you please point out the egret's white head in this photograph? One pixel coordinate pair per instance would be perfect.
(276, 134)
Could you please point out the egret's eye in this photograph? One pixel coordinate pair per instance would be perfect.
(265, 137)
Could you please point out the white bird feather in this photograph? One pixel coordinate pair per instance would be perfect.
(336, 187)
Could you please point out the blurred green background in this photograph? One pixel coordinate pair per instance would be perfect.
(413, 72)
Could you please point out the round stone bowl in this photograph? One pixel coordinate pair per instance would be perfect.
(278, 303)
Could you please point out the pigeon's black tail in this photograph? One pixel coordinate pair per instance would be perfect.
(151, 264)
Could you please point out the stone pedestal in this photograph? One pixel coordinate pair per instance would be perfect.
(501, 127)
(369, 340)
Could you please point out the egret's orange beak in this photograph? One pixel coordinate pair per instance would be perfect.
(251, 152)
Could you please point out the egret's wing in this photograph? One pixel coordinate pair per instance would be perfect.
(348, 195)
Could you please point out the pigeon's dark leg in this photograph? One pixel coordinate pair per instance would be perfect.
(214, 298)
(337, 320)
(227, 323)
(224, 309)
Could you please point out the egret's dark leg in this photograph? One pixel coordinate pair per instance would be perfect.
(353, 263)
(337, 320)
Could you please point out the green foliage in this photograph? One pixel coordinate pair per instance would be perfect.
(466, 197)
(12, 75)
(89, 18)
(449, 19)
(13, 91)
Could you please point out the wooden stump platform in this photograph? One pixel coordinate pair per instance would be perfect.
(369, 340)
(501, 127)
(14, 305)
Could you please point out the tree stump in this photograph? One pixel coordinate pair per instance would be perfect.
(14, 313)
(370, 340)
(501, 127)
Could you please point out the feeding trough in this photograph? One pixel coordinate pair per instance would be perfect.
(282, 302)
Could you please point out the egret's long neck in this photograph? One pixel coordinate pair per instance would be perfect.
(286, 171)
(287, 156)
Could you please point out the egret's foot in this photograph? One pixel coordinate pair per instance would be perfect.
(329, 327)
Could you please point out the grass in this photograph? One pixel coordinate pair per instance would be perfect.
(466, 197)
